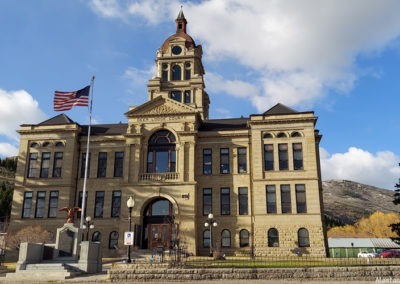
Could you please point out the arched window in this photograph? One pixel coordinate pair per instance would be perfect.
(281, 135)
(46, 144)
(176, 73)
(187, 70)
(225, 239)
(303, 238)
(34, 145)
(295, 134)
(96, 237)
(59, 144)
(244, 238)
(206, 239)
(273, 237)
(161, 155)
(268, 136)
(113, 241)
(165, 72)
(161, 207)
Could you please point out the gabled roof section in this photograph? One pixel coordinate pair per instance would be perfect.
(160, 105)
(280, 109)
(105, 129)
(224, 124)
(59, 119)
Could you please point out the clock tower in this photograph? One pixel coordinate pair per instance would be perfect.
(180, 71)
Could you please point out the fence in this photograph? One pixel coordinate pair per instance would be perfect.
(179, 257)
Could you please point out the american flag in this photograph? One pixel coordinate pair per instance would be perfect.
(66, 100)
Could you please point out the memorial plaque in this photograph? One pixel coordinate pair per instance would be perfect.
(66, 243)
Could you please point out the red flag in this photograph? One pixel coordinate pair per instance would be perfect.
(66, 100)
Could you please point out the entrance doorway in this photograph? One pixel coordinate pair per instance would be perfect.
(158, 224)
(160, 235)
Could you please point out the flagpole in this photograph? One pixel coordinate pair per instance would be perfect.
(83, 209)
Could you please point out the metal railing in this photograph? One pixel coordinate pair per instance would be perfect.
(179, 257)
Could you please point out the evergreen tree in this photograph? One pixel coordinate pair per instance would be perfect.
(6, 193)
(396, 226)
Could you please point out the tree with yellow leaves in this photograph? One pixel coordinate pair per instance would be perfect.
(377, 225)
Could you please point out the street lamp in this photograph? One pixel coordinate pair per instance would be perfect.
(130, 203)
(88, 225)
(210, 222)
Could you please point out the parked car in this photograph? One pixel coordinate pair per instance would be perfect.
(366, 254)
(389, 254)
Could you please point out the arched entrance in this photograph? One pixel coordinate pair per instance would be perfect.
(158, 224)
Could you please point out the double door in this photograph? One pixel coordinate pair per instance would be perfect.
(159, 235)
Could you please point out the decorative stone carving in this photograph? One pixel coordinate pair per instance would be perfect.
(162, 109)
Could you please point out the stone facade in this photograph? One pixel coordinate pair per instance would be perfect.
(179, 165)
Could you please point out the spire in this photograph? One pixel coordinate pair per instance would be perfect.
(181, 22)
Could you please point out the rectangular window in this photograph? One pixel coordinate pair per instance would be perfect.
(207, 161)
(119, 164)
(224, 160)
(242, 160)
(268, 157)
(176, 95)
(44, 168)
(207, 201)
(99, 204)
(83, 163)
(271, 199)
(301, 202)
(187, 97)
(33, 171)
(53, 204)
(225, 201)
(40, 204)
(243, 201)
(102, 164)
(297, 156)
(57, 164)
(283, 157)
(27, 208)
(116, 204)
(286, 202)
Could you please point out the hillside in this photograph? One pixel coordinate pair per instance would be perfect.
(348, 201)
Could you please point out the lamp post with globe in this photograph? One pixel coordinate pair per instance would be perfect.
(211, 222)
(88, 225)
(130, 203)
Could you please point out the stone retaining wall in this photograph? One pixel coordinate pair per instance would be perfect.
(368, 273)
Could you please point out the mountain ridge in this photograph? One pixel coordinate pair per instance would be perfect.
(346, 202)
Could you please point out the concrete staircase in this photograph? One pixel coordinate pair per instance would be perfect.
(44, 272)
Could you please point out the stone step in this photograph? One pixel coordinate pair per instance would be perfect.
(41, 275)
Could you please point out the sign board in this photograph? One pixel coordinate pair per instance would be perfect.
(128, 238)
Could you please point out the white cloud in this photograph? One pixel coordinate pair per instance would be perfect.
(8, 150)
(297, 50)
(16, 108)
(380, 169)
(107, 8)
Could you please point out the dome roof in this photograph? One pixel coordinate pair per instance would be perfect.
(180, 33)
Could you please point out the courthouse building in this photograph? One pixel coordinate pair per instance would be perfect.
(259, 175)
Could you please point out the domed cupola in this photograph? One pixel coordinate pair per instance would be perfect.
(181, 24)
(180, 71)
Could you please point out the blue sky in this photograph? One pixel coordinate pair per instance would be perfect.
(338, 58)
